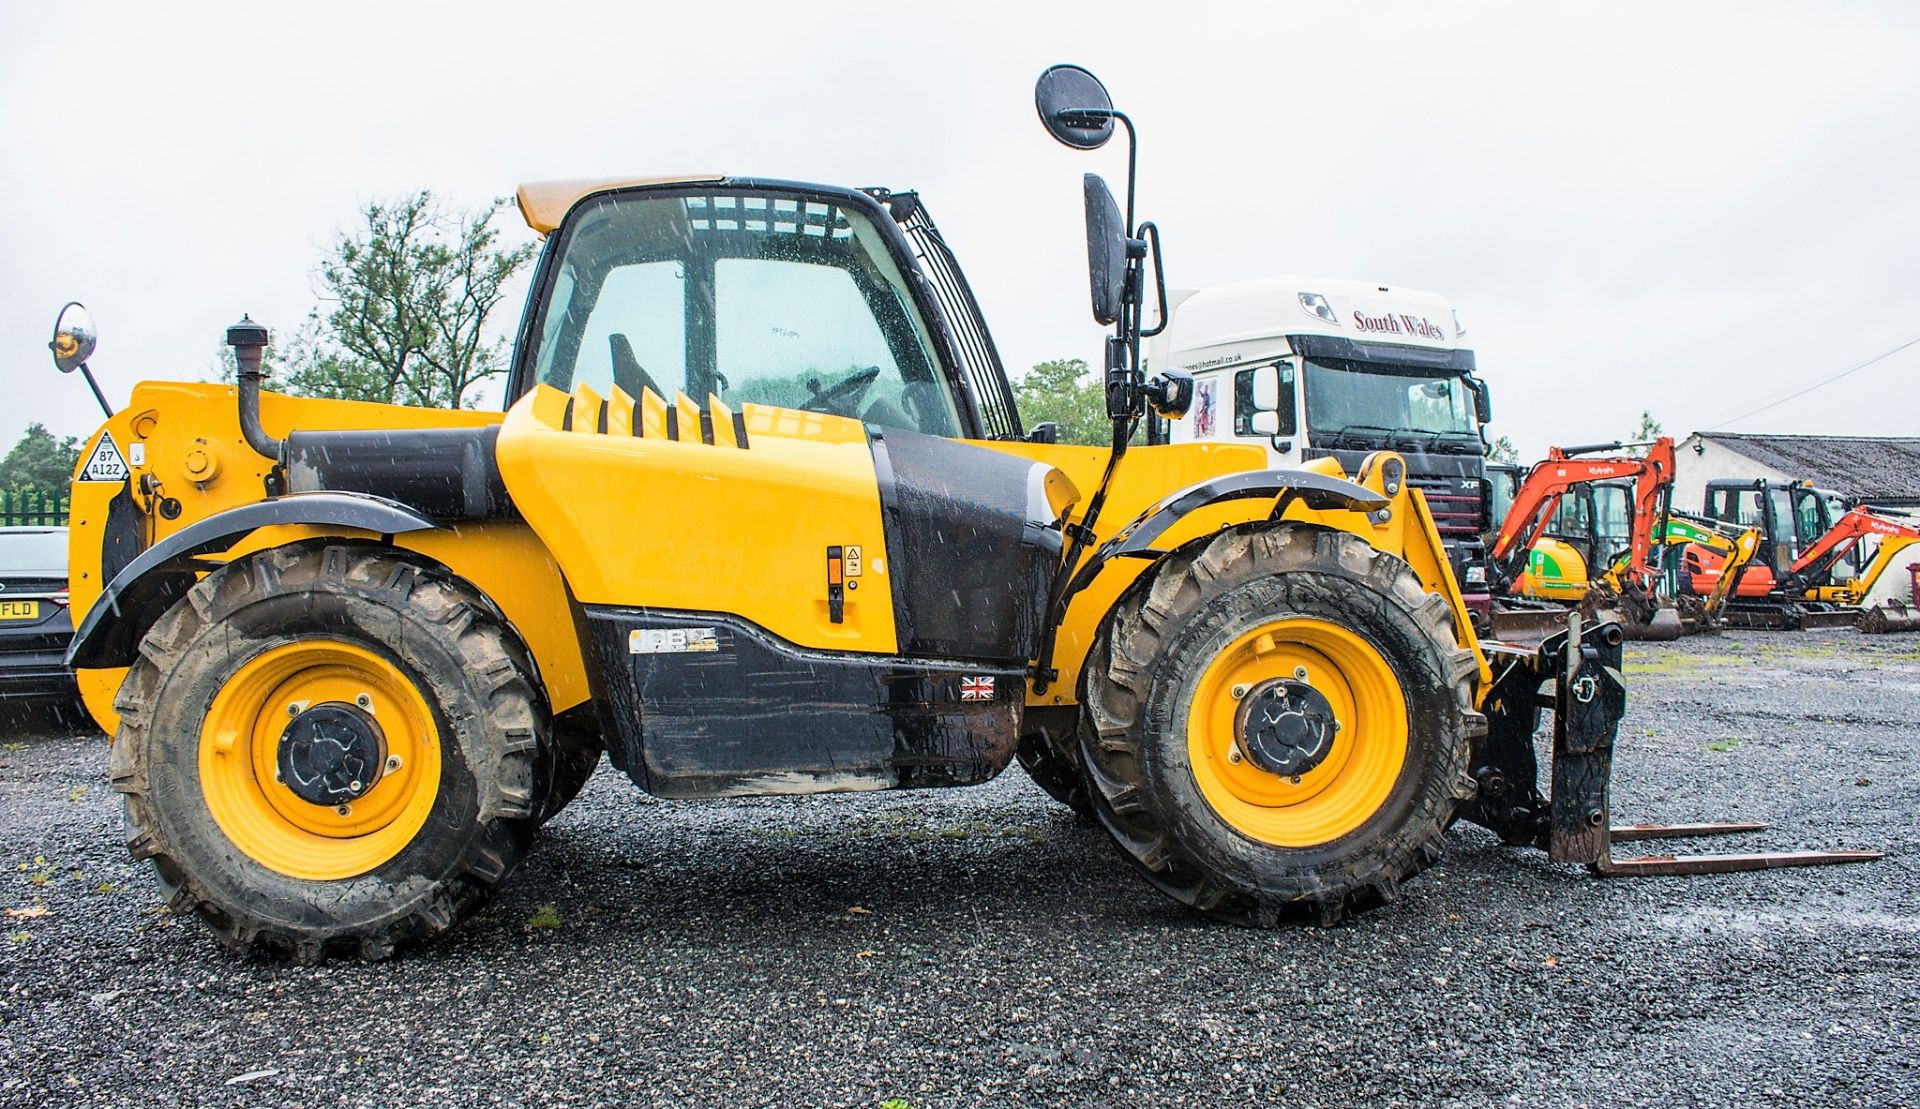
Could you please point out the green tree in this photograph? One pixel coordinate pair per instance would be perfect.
(1065, 392)
(40, 463)
(405, 299)
(1503, 450)
(1649, 429)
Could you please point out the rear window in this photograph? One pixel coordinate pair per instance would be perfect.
(27, 551)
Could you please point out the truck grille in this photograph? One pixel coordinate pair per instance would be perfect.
(1455, 513)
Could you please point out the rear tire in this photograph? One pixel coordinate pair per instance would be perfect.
(205, 714)
(1284, 609)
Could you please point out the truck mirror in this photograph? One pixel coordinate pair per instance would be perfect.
(1272, 401)
(1482, 401)
(73, 338)
(1074, 107)
(1106, 250)
(1266, 392)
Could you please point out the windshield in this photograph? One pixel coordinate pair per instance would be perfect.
(24, 552)
(755, 296)
(1368, 398)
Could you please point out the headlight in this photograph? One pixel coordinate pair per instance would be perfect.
(1476, 574)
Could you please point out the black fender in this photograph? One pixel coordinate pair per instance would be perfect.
(150, 584)
(1136, 540)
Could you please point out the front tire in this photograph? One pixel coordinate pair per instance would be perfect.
(330, 749)
(1281, 725)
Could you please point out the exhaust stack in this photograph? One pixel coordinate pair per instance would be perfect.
(249, 342)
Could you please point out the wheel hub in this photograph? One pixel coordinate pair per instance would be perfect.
(1285, 728)
(331, 754)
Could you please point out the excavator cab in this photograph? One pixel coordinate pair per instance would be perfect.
(1819, 558)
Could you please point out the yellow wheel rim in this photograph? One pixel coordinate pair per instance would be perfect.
(276, 827)
(1359, 769)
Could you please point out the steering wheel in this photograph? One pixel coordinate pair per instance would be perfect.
(848, 390)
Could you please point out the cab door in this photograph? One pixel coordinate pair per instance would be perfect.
(741, 446)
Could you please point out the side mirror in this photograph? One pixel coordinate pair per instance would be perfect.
(1106, 250)
(1074, 107)
(73, 338)
(1048, 432)
(1266, 392)
(1272, 400)
(1482, 401)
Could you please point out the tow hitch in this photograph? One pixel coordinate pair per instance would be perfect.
(1572, 824)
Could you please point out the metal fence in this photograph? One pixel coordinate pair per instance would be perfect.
(32, 509)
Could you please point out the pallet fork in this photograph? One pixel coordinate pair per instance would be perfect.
(1571, 824)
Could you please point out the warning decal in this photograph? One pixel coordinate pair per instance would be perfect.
(105, 463)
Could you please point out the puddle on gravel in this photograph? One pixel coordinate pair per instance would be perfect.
(1700, 921)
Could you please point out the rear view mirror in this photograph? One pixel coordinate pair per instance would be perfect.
(1482, 402)
(1271, 398)
(1074, 107)
(1266, 392)
(1106, 250)
(73, 338)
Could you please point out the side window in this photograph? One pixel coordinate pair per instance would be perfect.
(796, 335)
(1570, 519)
(1613, 531)
(636, 335)
(1736, 506)
(1857, 556)
(1808, 519)
(1243, 402)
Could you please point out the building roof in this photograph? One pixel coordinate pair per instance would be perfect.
(1873, 468)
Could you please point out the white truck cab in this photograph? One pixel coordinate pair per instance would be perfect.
(1310, 367)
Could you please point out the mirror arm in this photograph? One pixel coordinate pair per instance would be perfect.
(87, 373)
(1133, 148)
(1151, 233)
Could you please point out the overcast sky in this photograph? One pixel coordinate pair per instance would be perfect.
(1674, 207)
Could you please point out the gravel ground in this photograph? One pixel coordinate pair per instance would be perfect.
(981, 947)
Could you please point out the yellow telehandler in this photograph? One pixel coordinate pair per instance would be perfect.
(760, 517)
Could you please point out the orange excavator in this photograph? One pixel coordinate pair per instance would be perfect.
(1595, 532)
(1821, 559)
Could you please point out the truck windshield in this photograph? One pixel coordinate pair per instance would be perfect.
(1376, 399)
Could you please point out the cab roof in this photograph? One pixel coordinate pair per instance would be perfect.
(545, 203)
(1269, 308)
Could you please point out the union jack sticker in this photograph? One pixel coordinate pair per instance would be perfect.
(976, 689)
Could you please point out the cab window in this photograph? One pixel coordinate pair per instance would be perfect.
(1613, 526)
(756, 297)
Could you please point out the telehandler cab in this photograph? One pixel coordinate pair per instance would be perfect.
(761, 518)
